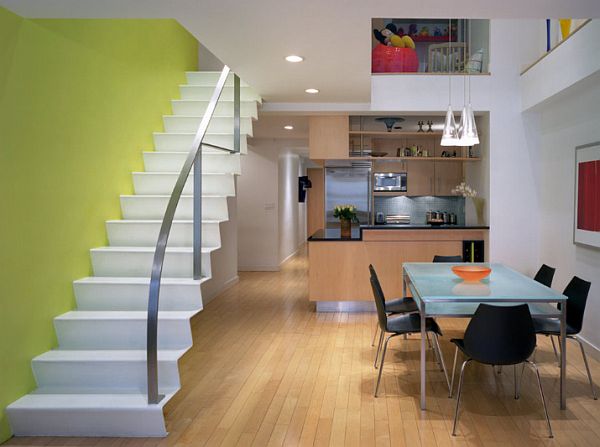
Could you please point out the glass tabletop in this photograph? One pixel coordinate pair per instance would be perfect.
(435, 282)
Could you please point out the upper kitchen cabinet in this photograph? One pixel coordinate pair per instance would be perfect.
(328, 137)
(447, 176)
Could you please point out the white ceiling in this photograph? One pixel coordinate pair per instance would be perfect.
(253, 36)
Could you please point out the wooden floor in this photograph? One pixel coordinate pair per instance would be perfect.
(267, 370)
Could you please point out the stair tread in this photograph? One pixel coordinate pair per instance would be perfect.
(137, 280)
(136, 249)
(124, 315)
(158, 221)
(177, 173)
(187, 196)
(204, 154)
(110, 400)
(103, 355)
(194, 133)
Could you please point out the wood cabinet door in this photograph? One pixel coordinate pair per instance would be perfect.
(328, 137)
(315, 201)
(448, 174)
(419, 181)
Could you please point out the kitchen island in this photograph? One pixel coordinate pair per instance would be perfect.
(338, 267)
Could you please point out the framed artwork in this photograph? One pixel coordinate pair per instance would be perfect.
(587, 195)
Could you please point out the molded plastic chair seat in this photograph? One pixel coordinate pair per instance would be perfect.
(440, 258)
(551, 326)
(401, 306)
(411, 323)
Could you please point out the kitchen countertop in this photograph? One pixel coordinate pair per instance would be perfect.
(333, 234)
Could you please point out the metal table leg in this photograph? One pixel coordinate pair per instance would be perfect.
(423, 355)
(563, 356)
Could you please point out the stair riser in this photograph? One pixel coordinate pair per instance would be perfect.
(209, 78)
(149, 183)
(148, 207)
(176, 265)
(173, 162)
(205, 93)
(184, 124)
(88, 422)
(134, 297)
(128, 234)
(224, 108)
(169, 142)
(120, 334)
(102, 375)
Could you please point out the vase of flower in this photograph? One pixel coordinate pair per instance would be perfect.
(346, 214)
(469, 193)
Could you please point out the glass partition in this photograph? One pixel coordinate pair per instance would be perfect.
(430, 46)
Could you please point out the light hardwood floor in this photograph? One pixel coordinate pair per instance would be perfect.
(267, 370)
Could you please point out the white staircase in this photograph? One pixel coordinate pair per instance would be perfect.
(94, 383)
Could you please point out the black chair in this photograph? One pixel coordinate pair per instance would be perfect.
(577, 292)
(402, 325)
(545, 275)
(395, 306)
(440, 258)
(498, 335)
(403, 305)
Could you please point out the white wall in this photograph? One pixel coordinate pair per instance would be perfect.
(272, 224)
(292, 215)
(572, 122)
(258, 228)
(224, 261)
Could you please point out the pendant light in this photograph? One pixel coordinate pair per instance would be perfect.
(450, 134)
(468, 135)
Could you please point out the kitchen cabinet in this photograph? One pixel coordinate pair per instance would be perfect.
(420, 177)
(328, 137)
(315, 209)
(448, 174)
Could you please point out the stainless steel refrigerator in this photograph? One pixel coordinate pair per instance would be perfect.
(347, 186)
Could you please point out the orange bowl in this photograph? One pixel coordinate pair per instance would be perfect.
(471, 272)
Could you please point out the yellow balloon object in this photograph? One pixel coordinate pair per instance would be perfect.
(565, 27)
(397, 41)
(408, 42)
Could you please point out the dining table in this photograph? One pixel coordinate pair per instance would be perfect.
(439, 292)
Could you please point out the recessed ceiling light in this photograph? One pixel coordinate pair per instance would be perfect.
(288, 127)
(294, 58)
(312, 91)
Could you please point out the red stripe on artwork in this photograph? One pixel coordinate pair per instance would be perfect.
(585, 197)
(596, 196)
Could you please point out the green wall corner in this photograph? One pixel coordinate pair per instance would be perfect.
(79, 100)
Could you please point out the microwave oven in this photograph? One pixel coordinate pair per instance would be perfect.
(390, 181)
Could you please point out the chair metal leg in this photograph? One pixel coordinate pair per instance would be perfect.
(537, 373)
(453, 369)
(554, 348)
(436, 354)
(429, 341)
(378, 349)
(516, 382)
(381, 364)
(460, 383)
(500, 369)
(375, 333)
(436, 341)
(587, 367)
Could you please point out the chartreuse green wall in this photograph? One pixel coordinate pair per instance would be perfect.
(79, 100)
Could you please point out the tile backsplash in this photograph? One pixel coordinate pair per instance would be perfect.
(417, 207)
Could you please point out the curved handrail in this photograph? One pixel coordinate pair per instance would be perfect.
(194, 157)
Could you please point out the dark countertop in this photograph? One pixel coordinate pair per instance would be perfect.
(333, 234)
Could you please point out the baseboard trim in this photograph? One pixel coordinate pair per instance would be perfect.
(591, 349)
(226, 285)
(258, 268)
(287, 258)
(345, 306)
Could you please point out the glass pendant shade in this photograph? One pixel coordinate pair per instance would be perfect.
(468, 128)
(450, 134)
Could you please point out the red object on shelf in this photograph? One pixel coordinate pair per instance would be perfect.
(387, 59)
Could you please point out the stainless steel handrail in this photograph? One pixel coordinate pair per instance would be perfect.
(194, 158)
